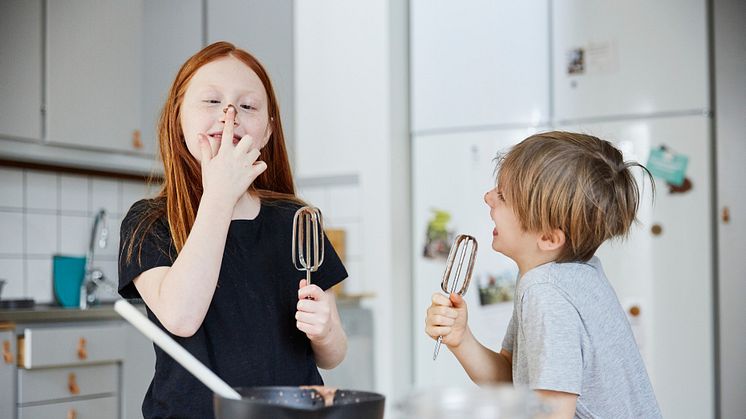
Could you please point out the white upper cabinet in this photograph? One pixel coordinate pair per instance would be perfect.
(94, 57)
(479, 63)
(110, 65)
(172, 33)
(21, 69)
(624, 58)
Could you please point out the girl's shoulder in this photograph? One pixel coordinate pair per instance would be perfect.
(146, 206)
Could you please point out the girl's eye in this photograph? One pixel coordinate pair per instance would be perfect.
(247, 107)
(211, 101)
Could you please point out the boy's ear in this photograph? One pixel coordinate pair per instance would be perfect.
(553, 240)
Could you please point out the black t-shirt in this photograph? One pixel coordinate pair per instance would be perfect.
(249, 336)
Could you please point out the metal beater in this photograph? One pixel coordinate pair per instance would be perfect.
(465, 249)
(308, 240)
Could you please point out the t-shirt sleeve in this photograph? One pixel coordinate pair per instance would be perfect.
(331, 271)
(509, 339)
(551, 340)
(148, 248)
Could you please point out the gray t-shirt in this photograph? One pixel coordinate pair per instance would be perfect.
(569, 333)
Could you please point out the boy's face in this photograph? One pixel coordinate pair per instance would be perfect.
(508, 237)
(225, 81)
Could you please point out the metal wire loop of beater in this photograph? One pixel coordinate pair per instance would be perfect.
(464, 249)
(308, 240)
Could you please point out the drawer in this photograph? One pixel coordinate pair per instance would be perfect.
(57, 346)
(38, 385)
(104, 408)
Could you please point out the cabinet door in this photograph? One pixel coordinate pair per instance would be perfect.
(7, 374)
(20, 69)
(629, 57)
(93, 73)
(478, 63)
(172, 32)
(80, 409)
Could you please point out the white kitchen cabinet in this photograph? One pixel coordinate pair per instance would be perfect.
(93, 77)
(21, 69)
(669, 275)
(638, 57)
(106, 85)
(478, 64)
(264, 29)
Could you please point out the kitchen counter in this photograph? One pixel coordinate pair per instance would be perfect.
(53, 313)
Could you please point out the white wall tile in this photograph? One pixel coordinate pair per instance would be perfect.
(74, 193)
(112, 242)
(41, 190)
(132, 192)
(11, 187)
(105, 194)
(11, 233)
(74, 234)
(41, 234)
(39, 281)
(344, 202)
(11, 270)
(108, 291)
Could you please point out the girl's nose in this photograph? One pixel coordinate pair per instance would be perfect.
(225, 114)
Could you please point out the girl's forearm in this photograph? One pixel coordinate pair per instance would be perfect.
(187, 289)
(483, 365)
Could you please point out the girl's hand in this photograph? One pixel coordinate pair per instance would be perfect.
(314, 315)
(447, 317)
(227, 169)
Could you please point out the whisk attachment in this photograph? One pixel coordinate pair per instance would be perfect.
(463, 254)
(308, 240)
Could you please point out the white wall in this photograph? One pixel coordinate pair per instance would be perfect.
(351, 121)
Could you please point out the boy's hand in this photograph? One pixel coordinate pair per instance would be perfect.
(447, 317)
(314, 312)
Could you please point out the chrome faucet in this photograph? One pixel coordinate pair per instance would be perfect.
(94, 276)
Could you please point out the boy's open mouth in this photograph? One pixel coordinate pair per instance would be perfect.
(494, 232)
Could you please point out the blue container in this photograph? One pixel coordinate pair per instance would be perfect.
(67, 277)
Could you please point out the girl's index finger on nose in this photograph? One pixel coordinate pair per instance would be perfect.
(227, 137)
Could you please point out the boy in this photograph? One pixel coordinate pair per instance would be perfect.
(559, 196)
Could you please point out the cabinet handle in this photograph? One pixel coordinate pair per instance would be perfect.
(725, 215)
(82, 351)
(7, 353)
(72, 384)
(136, 140)
(72, 414)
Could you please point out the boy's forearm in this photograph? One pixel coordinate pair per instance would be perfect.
(483, 365)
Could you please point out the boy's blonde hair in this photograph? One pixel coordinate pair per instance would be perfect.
(573, 182)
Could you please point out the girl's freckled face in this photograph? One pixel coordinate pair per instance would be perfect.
(215, 86)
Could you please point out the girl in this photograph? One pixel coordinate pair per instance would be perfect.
(211, 255)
